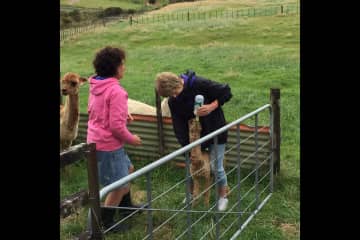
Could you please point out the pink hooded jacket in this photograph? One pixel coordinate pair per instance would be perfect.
(108, 111)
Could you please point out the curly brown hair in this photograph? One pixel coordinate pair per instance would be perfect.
(107, 61)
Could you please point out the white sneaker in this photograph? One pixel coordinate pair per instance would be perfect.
(184, 201)
(222, 204)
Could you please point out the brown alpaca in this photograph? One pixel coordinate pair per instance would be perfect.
(69, 113)
(199, 160)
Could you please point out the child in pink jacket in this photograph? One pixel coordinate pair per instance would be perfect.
(107, 127)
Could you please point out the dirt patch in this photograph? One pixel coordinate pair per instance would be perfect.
(164, 233)
(289, 229)
(138, 196)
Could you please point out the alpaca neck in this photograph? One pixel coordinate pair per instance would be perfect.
(196, 151)
(71, 110)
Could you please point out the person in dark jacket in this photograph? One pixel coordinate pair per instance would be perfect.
(181, 91)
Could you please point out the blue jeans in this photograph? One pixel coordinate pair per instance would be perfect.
(221, 176)
(112, 165)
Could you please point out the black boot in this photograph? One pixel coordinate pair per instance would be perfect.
(107, 218)
(126, 202)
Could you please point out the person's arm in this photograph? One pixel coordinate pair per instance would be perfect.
(130, 118)
(118, 118)
(180, 125)
(207, 108)
(221, 93)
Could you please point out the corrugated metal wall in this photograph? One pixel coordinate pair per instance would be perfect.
(146, 128)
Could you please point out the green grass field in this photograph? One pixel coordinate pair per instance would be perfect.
(251, 54)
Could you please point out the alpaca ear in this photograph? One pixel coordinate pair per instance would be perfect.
(82, 80)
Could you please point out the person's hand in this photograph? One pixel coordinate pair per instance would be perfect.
(207, 108)
(136, 141)
(129, 118)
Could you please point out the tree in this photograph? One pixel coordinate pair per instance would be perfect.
(76, 15)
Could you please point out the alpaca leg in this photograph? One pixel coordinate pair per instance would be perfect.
(65, 170)
(68, 144)
(207, 193)
(65, 145)
(196, 191)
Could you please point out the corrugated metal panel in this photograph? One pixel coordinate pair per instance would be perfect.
(146, 128)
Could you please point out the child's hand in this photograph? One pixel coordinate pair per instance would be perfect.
(137, 140)
(129, 118)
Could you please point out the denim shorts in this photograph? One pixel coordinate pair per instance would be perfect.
(113, 165)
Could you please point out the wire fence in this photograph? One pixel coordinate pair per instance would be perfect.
(195, 15)
(75, 31)
(249, 190)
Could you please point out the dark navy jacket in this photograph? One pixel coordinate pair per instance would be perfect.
(182, 108)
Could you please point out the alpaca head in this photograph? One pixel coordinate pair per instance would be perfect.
(70, 83)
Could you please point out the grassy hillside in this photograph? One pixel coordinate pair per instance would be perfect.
(124, 4)
(251, 54)
(208, 5)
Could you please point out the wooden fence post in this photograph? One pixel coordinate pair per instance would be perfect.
(94, 198)
(276, 138)
(159, 123)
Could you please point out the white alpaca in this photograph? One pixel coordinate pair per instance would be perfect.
(165, 110)
(136, 107)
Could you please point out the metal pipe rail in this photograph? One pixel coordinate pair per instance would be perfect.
(185, 150)
(104, 191)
